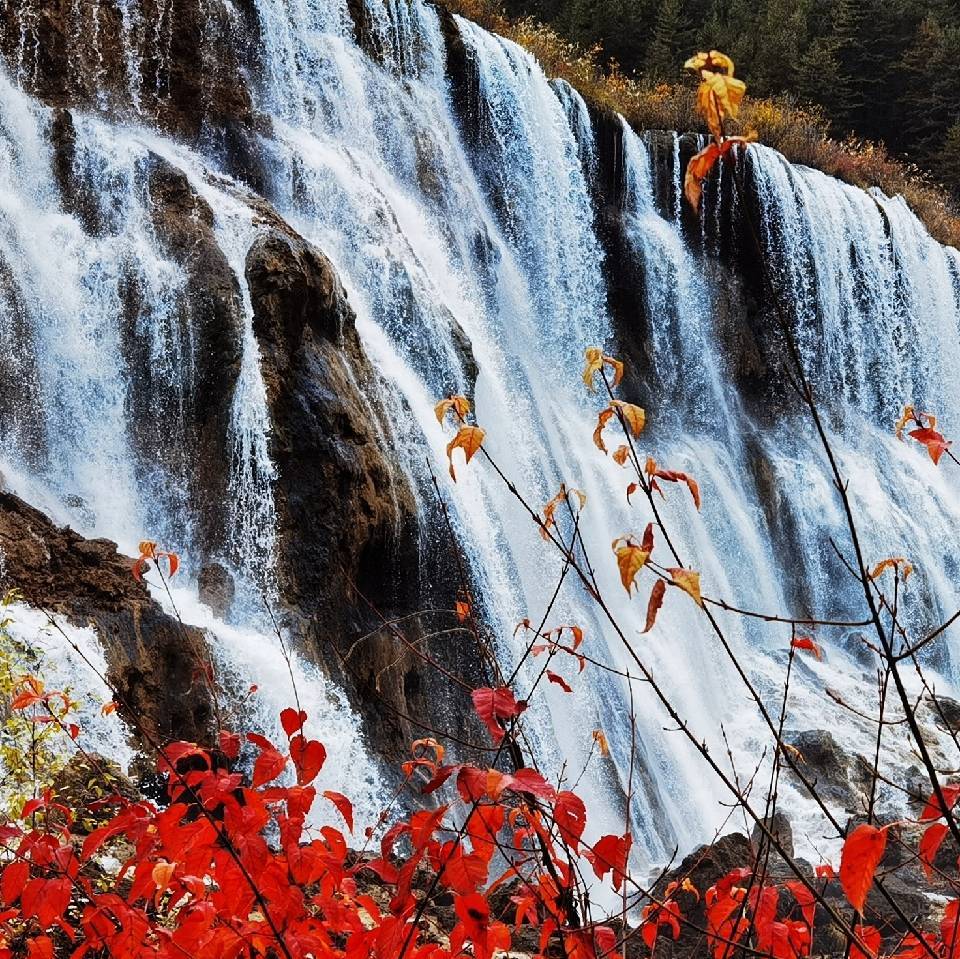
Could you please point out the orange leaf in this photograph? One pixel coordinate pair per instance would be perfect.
(598, 432)
(148, 549)
(559, 680)
(161, 875)
(462, 610)
(630, 559)
(469, 439)
(862, 851)
(654, 604)
(634, 416)
(620, 455)
(698, 169)
(600, 738)
(140, 564)
(689, 582)
(896, 562)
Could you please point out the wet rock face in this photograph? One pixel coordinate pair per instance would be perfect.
(153, 662)
(172, 64)
(840, 778)
(210, 310)
(349, 525)
(216, 589)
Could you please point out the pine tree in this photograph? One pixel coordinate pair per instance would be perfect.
(665, 57)
(946, 161)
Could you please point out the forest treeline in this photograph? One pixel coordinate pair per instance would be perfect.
(883, 70)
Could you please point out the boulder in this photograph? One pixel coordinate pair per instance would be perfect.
(840, 779)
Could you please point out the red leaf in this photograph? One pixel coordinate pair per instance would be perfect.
(929, 844)
(344, 806)
(308, 756)
(292, 721)
(646, 544)
(805, 900)
(530, 781)
(656, 601)
(805, 642)
(268, 766)
(40, 948)
(492, 705)
(862, 851)
(15, 877)
(871, 938)
(935, 442)
(611, 853)
(559, 680)
(932, 809)
(571, 817)
(230, 744)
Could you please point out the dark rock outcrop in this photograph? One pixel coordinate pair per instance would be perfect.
(154, 664)
(351, 556)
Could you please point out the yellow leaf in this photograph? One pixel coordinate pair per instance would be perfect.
(599, 737)
(689, 582)
(594, 365)
(469, 439)
(714, 60)
(634, 416)
(148, 549)
(718, 99)
(630, 559)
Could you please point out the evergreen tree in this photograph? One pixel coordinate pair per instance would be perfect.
(666, 53)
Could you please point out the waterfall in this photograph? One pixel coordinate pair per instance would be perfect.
(467, 233)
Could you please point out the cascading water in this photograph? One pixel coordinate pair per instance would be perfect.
(465, 239)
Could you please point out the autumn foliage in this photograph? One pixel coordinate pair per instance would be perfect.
(243, 855)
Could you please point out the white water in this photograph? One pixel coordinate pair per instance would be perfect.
(368, 161)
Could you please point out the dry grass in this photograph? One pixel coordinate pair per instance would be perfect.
(801, 134)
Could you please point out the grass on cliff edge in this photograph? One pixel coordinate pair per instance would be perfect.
(801, 134)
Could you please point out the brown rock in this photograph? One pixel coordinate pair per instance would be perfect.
(350, 557)
(152, 660)
(216, 588)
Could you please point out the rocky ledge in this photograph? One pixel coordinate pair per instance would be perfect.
(155, 664)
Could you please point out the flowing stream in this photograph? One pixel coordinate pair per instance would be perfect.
(443, 230)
